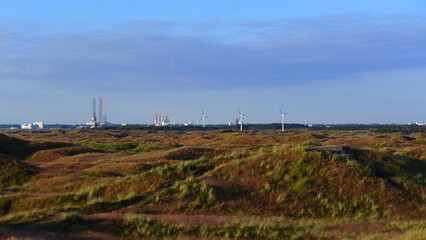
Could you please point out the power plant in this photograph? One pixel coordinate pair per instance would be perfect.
(162, 119)
(101, 120)
(34, 125)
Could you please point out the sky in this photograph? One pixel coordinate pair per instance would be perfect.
(319, 61)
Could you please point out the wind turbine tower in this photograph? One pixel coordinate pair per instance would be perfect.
(282, 119)
(241, 120)
(203, 117)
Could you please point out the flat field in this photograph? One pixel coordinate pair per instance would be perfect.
(217, 184)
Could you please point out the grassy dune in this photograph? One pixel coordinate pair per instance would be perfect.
(212, 185)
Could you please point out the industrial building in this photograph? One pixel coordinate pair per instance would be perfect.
(161, 119)
(101, 120)
(234, 122)
(34, 125)
(27, 126)
(190, 123)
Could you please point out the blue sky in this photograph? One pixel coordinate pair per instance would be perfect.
(320, 61)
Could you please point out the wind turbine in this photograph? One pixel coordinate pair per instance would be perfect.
(282, 119)
(203, 117)
(241, 120)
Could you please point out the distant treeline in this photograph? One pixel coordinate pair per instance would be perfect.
(270, 126)
(273, 126)
(9, 125)
(210, 127)
(49, 126)
(374, 127)
(277, 126)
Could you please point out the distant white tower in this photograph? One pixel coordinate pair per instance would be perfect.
(100, 112)
(241, 120)
(104, 110)
(203, 118)
(282, 120)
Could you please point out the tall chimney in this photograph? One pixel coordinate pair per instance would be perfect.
(104, 110)
(100, 111)
(94, 110)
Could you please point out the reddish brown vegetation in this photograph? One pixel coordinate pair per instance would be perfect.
(217, 173)
(189, 153)
(54, 154)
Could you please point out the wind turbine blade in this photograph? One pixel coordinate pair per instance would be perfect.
(281, 111)
(239, 111)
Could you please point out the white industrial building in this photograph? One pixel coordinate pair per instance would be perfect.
(34, 125)
(27, 126)
(38, 125)
(234, 122)
(190, 123)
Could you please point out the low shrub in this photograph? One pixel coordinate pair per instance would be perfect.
(189, 153)
(71, 218)
(5, 205)
(133, 147)
(54, 154)
(15, 172)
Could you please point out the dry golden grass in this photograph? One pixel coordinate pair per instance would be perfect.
(220, 179)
